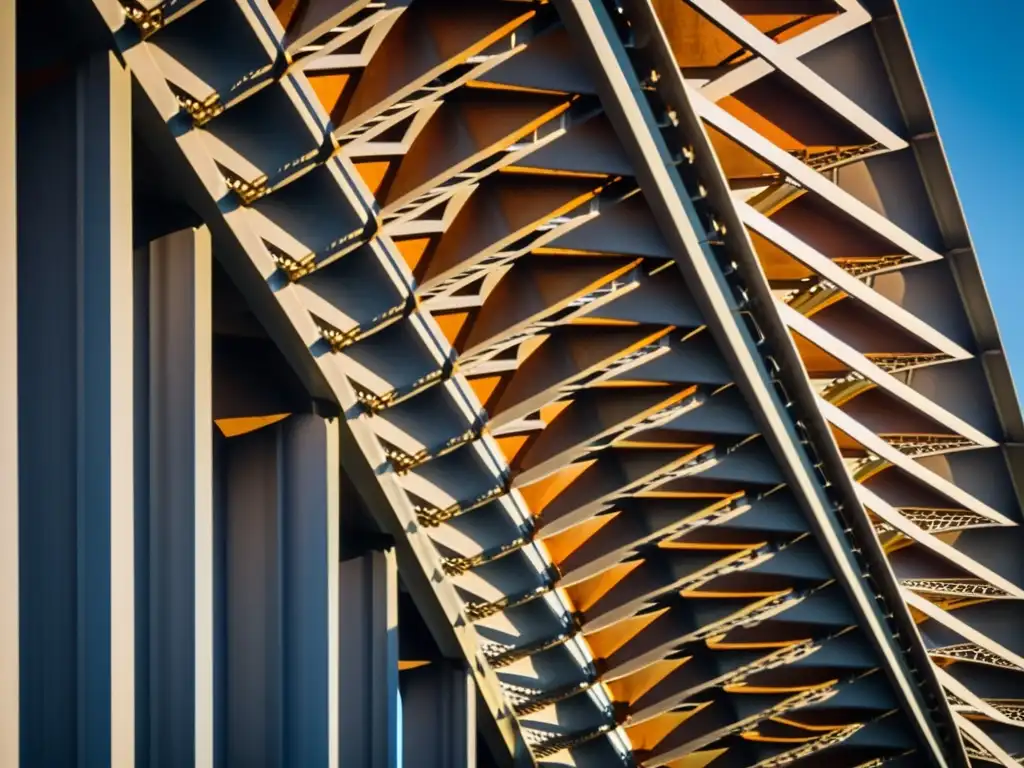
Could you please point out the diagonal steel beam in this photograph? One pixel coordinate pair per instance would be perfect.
(783, 60)
(591, 26)
(853, 16)
(289, 323)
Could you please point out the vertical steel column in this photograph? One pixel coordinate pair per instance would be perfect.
(75, 419)
(439, 715)
(281, 571)
(369, 661)
(8, 395)
(176, 694)
(252, 647)
(310, 585)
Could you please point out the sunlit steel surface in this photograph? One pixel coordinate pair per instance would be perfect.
(659, 349)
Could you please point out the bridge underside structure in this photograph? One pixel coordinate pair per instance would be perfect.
(495, 382)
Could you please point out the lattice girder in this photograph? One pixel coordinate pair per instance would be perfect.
(476, 257)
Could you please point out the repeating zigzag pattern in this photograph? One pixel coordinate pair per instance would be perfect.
(559, 264)
(889, 361)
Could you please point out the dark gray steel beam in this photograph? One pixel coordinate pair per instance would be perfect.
(368, 643)
(174, 512)
(9, 741)
(75, 419)
(590, 24)
(311, 555)
(280, 571)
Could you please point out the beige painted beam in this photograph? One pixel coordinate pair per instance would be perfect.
(9, 624)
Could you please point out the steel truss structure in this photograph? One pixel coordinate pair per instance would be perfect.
(647, 333)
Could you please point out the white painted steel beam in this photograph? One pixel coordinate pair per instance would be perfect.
(742, 75)
(799, 73)
(807, 177)
(891, 516)
(856, 288)
(847, 355)
(622, 97)
(882, 449)
(949, 620)
(973, 731)
(76, 452)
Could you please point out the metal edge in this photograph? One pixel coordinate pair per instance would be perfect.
(582, 16)
(893, 39)
(506, 735)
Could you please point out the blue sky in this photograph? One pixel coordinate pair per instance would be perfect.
(972, 71)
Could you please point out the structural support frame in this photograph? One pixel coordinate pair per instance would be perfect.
(589, 23)
(175, 514)
(440, 727)
(280, 571)
(292, 329)
(716, 268)
(75, 333)
(368, 664)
